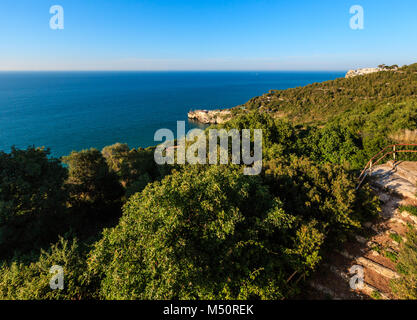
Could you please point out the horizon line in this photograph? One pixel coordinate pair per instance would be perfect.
(179, 70)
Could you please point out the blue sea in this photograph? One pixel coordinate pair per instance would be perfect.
(67, 111)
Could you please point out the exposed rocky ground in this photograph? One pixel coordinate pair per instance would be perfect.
(210, 116)
(375, 249)
(363, 71)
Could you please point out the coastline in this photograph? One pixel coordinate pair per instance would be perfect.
(210, 116)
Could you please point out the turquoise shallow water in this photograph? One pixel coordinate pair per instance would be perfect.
(68, 111)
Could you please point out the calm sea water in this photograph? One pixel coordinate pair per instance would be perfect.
(68, 111)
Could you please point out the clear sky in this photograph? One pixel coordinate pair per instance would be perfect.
(206, 35)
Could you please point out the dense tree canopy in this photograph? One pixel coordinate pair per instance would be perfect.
(322, 101)
(30, 183)
(32, 193)
(200, 233)
(90, 180)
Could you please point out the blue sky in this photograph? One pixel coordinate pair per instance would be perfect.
(206, 35)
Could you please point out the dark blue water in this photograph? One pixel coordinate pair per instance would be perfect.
(68, 111)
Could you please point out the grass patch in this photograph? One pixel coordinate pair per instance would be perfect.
(392, 256)
(410, 209)
(377, 249)
(396, 237)
(376, 295)
(406, 286)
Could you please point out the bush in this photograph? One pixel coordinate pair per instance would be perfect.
(325, 193)
(90, 180)
(19, 281)
(31, 197)
(202, 233)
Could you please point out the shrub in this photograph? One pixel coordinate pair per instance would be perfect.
(406, 286)
(90, 181)
(31, 197)
(19, 281)
(325, 193)
(202, 233)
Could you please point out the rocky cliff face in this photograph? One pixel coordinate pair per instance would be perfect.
(210, 116)
(361, 72)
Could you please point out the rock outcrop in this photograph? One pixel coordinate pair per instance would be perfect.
(210, 116)
(363, 71)
(399, 178)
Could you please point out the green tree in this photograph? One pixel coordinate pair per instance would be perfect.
(20, 281)
(134, 167)
(116, 157)
(335, 144)
(200, 233)
(90, 181)
(31, 197)
(323, 193)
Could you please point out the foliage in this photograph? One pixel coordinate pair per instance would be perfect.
(396, 237)
(334, 143)
(191, 236)
(134, 167)
(27, 282)
(90, 181)
(410, 209)
(406, 286)
(376, 295)
(324, 101)
(391, 255)
(275, 132)
(116, 157)
(324, 193)
(31, 196)
(200, 233)
(30, 183)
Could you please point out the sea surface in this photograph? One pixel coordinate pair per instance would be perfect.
(67, 111)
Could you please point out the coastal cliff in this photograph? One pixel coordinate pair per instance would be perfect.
(363, 71)
(210, 116)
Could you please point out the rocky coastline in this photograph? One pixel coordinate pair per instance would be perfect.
(210, 116)
(363, 71)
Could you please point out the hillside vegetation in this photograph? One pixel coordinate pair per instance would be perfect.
(323, 101)
(123, 227)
